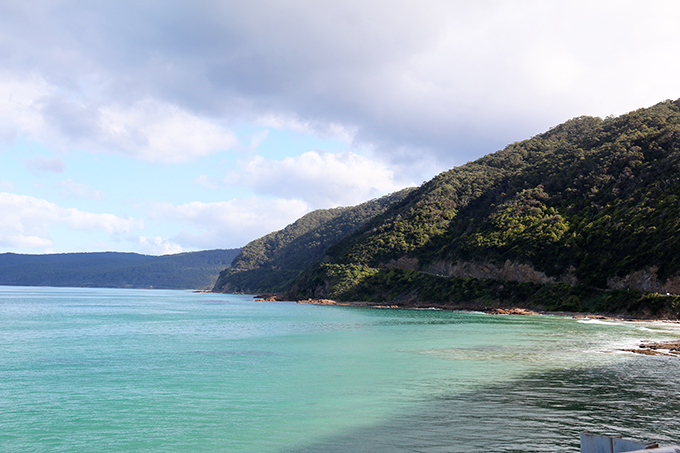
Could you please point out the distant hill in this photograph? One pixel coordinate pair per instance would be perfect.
(271, 263)
(584, 216)
(192, 270)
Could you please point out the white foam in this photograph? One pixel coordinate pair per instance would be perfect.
(598, 321)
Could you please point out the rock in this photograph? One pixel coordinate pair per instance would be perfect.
(511, 271)
(510, 311)
(318, 302)
(664, 348)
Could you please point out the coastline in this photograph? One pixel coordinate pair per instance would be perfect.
(669, 348)
(495, 309)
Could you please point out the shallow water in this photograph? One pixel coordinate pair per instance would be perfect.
(144, 370)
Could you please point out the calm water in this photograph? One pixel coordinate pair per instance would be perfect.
(146, 371)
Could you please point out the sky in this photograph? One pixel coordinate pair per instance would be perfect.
(162, 127)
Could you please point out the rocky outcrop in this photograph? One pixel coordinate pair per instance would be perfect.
(671, 286)
(664, 348)
(320, 302)
(646, 280)
(510, 311)
(511, 271)
(405, 262)
(269, 298)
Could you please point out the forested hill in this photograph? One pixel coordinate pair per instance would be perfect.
(589, 206)
(192, 270)
(271, 263)
(589, 201)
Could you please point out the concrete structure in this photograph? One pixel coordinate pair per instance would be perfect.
(594, 443)
(672, 449)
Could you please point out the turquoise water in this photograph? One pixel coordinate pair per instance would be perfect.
(149, 370)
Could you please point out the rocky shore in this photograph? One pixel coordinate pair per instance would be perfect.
(322, 302)
(495, 309)
(511, 311)
(463, 307)
(662, 348)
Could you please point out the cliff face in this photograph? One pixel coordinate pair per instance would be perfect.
(510, 271)
(646, 280)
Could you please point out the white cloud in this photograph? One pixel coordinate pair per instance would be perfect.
(161, 132)
(44, 164)
(345, 133)
(439, 79)
(20, 109)
(258, 138)
(110, 223)
(321, 179)
(26, 221)
(146, 129)
(424, 85)
(158, 246)
(229, 224)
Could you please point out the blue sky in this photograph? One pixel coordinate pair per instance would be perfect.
(162, 127)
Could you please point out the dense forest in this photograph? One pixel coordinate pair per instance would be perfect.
(192, 270)
(596, 196)
(271, 263)
(589, 209)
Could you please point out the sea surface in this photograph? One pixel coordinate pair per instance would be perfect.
(117, 370)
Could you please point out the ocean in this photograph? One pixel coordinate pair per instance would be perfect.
(126, 370)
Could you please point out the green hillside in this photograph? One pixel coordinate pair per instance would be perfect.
(589, 206)
(192, 270)
(589, 201)
(271, 263)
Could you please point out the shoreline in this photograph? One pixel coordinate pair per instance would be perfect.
(490, 310)
(666, 348)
